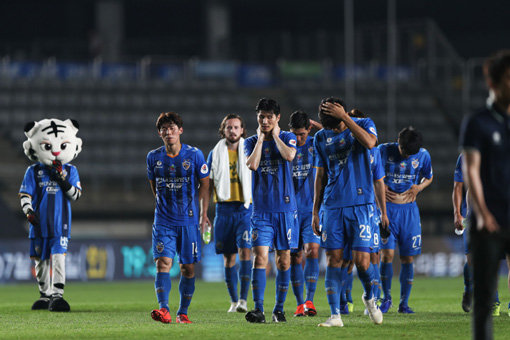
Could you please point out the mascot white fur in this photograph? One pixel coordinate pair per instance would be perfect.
(46, 193)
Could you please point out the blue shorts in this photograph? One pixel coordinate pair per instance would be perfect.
(186, 241)
(232, 229)
(405, 227)
(347, 226)
(276, 230)
(306, 234)
(43, 248)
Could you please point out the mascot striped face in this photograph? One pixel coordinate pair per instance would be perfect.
(50, 140)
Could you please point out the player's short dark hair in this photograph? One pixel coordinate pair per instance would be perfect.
(410, 140)
(221, 130)
(299, 120)
(495, 66)
(327, 121)
(357, 114)
(169, 117)
(268, 105)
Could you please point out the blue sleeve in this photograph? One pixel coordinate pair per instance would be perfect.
(426, 169)
(28, 185)
(457, 176)
(74, 178)
(202, 168)
(378, 171)
(319, 160)
(249, 145)
(289, 139)
(368, 125)
(471, 136)
(150, 168)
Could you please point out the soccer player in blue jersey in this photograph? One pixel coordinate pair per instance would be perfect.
(408, 171)
(230, 180)
(303, 176)
(274, 221)
(343, 185)
(176, 173)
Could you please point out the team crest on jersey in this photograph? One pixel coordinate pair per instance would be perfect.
(371, 129)
(310, 150)
(324, 236)
(254, 235)
(160, 247)
(203, 169)
(371, 159)
(292, 142)
(171, 168)
(384, 240)
(402, 165)
(186, 164)
(415, 163)
(267, 151)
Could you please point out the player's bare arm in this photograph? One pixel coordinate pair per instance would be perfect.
(457, 202)
(471, 170)
(288, 153)
(336, 110)
(380, 197)
(253, 160)
(410, 194)
(319, 185)
(153, 187)
(203, 197)
(316, 124)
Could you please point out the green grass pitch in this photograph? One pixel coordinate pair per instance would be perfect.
(122, 310)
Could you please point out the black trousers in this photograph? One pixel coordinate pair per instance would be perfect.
(486, 252)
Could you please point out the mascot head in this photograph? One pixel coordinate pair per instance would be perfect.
(51, 140)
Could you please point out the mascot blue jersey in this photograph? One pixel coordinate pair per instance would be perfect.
(50, 203)
(303, 175)
(177, 180)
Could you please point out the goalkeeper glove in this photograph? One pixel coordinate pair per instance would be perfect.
(32, 217)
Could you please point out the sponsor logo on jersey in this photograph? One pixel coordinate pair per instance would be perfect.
(359, 191)
(40, 173)
(415, 163)
(371, 129)
(204, 169)
(171, 168)
(267, 151)
(496, 137)
(160, 247)
(371, 159)
(329, 140)
(159, 165)
(186, 164)
(342, 142)
(299, 156)
(190, 213)
(286, 199)
(402, 165)
(52, 190)
(292, 142)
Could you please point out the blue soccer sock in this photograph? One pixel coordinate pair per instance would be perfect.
(186, 288)
(467, 278)
(377, 281)
(297, 277)
(282, 286)
(386, 277)
(245, 277)
(348, 286)
(162, 285)
(496, 299)
(367, 278)
(231, 281)
(258, 283)
(343, 295)
(311, 277)
(332, 284)
(406, 282)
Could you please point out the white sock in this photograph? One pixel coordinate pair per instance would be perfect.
(59, 273)
(42, 272)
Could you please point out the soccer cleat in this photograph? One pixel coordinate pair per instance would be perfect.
(42, 303)
(242, 306)
(161, 315)
(310, 308)
(279, 316)
(182, 318)
(386, 304)
(374, 312)
(350, 306)
(58, 304)
(344, 309)
(496, 308)
(405, 309)
(300, 310)
(333, 321)
(255, 316)
(466, 302)
(233, 307)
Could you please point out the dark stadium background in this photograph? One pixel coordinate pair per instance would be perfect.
(115, 65)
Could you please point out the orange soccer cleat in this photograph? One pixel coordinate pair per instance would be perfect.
(182, 318)
(161, 315)
(310, 308)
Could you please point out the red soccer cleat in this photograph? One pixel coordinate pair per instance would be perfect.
(182, 318)
(310, 309)
(161, 315)
(300, 310)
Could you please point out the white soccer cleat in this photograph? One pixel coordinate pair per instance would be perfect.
(373, 310)
(233, 306)
(242, 306)
(333, 321)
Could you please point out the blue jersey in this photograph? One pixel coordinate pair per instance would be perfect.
(458, 177)
(49, 202)
(272, 187)
(303, 176)
(177, 180)
(347, 165)
(402, 173)
(376, 164)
